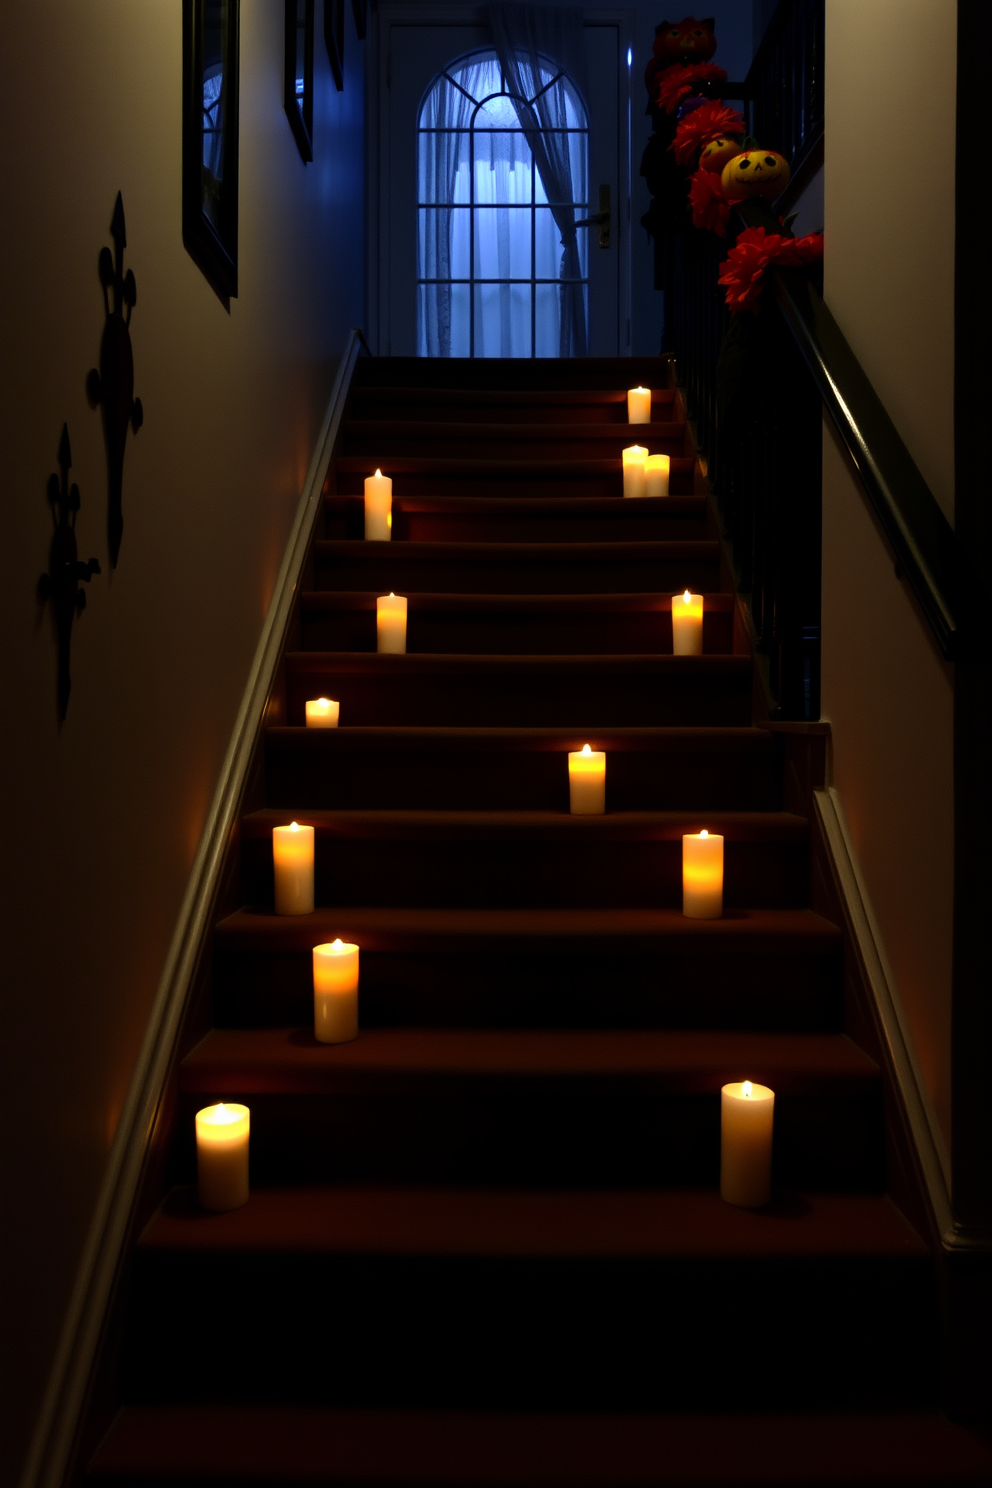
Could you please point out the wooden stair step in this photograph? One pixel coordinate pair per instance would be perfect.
(517, 568)
(422, 475)
(488, 691)
(519, 768)
(394, 1449)
(385, 440)
(500, 859)
(522, 374)
(593, 1300)
(497, 624)
(554, 519)
(499, 405)
(548, 1107)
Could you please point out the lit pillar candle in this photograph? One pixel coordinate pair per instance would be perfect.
(222, 1156)
(390, 623)
(657, 471)
(378, 507)
(322, 713)
(335, 992)
(639, 405)
(634, 461)
(702, 875)
(292, 859)
(587, 781)
(746, 1116)
(687, 624)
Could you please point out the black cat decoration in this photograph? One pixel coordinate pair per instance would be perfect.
(60, 585)
(113, 385)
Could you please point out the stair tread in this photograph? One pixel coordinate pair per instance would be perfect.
(291, 1060)
(741, 931)
(736, 826)
(401, 393)
(459, 429)
(660, 549)
(531, 1448)
(425, 663)
(630, 739)
(557, 506)
(489, 469)
(433, 1220)
(365, 599)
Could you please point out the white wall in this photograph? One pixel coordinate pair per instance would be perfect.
(102, 817)
(889, 281)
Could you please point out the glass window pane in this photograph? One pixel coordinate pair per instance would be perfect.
(546, 320)
(497, 111)
(502, 320)
(547, 245)
(442, 245)
(502, 242)
(442, 312)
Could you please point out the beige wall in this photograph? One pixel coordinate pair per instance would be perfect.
(889, 281)
(102, 818)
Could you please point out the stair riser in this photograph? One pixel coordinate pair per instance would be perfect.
(791, 992)
(377, 444)
(583, 1130)
(346, 520)
(571, 1334)
(524, 374)
(439, 410)
(515, 699)
(493, 481)
(425, 779)
(486, 873)
(479, 634)
(379, 569)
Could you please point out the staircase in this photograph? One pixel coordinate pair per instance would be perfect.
(484, 1243)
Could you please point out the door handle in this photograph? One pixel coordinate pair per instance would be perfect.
(600, 219)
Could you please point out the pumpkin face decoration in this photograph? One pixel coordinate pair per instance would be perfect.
(716, 154)
(763, 173)
(687, 40)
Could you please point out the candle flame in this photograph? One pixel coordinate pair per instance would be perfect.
(391, 594)
(704, 833)
(220, 1115)
(586, 749)
(687, 597)
(294, 826)
(746, 1090)
(337, 945)
(379, 474)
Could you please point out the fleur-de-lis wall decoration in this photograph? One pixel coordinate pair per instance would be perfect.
(113, 385)
(60, 585)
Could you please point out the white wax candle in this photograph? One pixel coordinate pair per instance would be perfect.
(746, 1117)
(292, 859)
(657, 470)
(634, 461)
(335, 992)
(702, 875)
(378, 507)
(222, 1156)
(638, 405)
(687, 624)
(587, 781)
(322, 713)
(390, 623)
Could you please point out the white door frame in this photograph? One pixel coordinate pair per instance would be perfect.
(391, 16)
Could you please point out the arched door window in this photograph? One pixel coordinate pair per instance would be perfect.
(501, 270)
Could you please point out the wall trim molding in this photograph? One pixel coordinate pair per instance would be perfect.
(893, 1032)
(54, 1433)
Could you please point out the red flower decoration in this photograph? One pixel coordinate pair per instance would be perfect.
(703, 124)
(710, 204)
(676, 82)
(743, 270)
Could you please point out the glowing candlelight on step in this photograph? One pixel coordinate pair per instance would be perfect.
(378, 507)
(322, 713)
(292, 859)
(638, 405)
(587, 781)
(687, 624)
(746, 1117)
(657, 471)
(390, 623)
(702, 875)
(335, 992)
(634, 462)
(222, 1156)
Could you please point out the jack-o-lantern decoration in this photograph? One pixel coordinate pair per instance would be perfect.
(718, 151)
(763, 173)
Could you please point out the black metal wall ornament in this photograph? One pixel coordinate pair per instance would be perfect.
(112, 387)
(59, 587)
(298, 81)
(334, 39)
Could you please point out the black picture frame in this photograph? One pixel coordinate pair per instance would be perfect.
(334, 39)
(298, 77)
(211, 48)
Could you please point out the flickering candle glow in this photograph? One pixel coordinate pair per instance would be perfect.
(702, 875)
(657, 471)
(687, 624)
(746, 1118)
(390, 623)
(322, 713)
(638, 405)
(335, 992)
(292, 860)
(378, 507)
(587, 781)
(222, 1156)
(634, 462)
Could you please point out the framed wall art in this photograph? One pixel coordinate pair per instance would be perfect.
(298, 92)
(210, 139)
